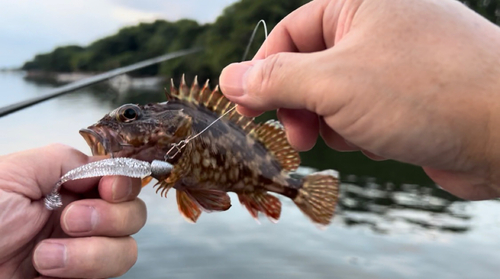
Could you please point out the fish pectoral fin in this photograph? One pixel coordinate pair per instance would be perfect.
(146, 180)
(163, 187)
(187, 207)
(263, 202)
(210, 199)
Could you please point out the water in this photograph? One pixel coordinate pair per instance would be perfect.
(392, 222)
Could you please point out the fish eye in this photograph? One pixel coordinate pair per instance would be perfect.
(128, 113)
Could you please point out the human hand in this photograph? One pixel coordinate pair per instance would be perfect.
(411, 80)
(88, 238)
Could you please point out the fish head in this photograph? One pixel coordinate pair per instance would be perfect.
(140, 132)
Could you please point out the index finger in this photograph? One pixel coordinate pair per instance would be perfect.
(33, 173)
(300, 31)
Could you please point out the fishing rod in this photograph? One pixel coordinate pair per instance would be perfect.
(92, 80)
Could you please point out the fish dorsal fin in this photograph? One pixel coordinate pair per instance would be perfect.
(213, 100)
(273, 136)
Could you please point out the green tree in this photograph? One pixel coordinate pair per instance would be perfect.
(490, 9)
(59, 60)
(228, 37)
(224, 41)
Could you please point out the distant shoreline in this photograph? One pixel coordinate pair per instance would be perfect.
(119, 83)
(11, 70)
(57, 77)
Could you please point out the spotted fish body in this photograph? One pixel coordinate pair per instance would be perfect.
(234, 154)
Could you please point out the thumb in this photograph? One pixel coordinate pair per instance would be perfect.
(282, 80)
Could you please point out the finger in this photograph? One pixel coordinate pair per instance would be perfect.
(300, 31)
(372, 156)
(463, 185)
(91, 257)
(119, 188)
(248, 112)
(98, 217)
(334, 140)
(301, 127)
(283, 80)
(34, 172)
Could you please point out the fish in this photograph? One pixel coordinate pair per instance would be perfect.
(214, 150)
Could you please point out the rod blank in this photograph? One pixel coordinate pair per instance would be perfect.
(92, 80)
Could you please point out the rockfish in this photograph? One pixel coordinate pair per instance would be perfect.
(234, 154)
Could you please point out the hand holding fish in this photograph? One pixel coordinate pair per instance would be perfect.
(415, 81)
(74, 241)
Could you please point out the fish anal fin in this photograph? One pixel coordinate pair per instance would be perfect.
(263, 202)
(145, 181)
(250, 205)
(318, 196)
(187, 207)
(272, 135)
(210, 199)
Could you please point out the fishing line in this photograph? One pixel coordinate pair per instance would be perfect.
(177, 147)
(253, 36)
(128, 166)
(181, 144)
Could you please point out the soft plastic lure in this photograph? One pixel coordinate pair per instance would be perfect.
(114, 166)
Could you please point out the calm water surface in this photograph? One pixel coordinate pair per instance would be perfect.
(392, 222)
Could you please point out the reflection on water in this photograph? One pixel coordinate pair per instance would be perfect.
(412, 207)
(392, 221)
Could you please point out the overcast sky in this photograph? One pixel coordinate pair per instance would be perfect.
(28, 27)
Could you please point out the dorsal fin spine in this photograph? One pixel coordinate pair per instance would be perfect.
(226, 107)
(194, 94)
(218, 103)
(273, 137)
(213, 100)
(210, 98)
(247, 126)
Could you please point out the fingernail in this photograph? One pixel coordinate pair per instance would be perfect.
(80, 218)
(121, 188)
(233, 79)
(50, 255)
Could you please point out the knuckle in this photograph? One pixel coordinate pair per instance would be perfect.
(105, 257)
(91, 261)
(128, 220)
(59, 148)
(143, 211)
(268, 73)
(126, 263)
(132, 259)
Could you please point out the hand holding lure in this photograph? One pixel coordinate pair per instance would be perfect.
(114, 166)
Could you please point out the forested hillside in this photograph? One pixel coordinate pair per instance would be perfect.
(224, 41)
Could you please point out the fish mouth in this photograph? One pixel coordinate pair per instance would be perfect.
(101, 141)
(95, 141)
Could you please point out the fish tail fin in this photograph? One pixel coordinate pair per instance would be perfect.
(318, 196)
